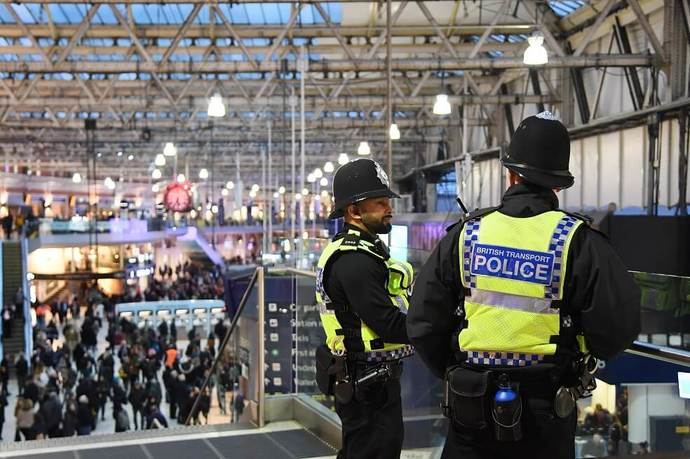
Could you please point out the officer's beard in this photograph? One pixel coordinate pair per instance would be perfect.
(376, 225)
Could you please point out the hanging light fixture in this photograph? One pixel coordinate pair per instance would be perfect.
(130, 157)
(318, 173)
(203, 173)
(155, 188)
(311, 178)
(230, 185)
(160, 160)
(170, 149)
(255, 188)
(328, 167)
(394, 132)
(76, 178)
(535, 54)
(442, 106)
(224, 192)
(343, 159)
(363, 149)
(324, 181)
(216, 108)
(156, 174)
(109, 183)
(181, 178)
(281, 190)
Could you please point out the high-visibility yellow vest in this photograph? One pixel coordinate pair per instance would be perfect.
(514, 269)
(400, 276)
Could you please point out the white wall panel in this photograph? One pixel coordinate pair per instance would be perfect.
(572, 197)
(670, 131)
(663, 154)
(609, 168)
(590, 172)
(633, 160)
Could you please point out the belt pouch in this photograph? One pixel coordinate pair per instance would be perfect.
(468, 397)
(325, 376)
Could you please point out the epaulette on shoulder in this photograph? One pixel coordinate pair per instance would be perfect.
(350, 240)
(585, 218)
(474, 214)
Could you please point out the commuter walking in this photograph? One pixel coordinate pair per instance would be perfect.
(514, 306)
(362, 295)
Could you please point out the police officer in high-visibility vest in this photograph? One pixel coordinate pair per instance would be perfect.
(516, 304)
(363, 299)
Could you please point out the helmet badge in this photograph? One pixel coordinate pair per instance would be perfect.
(381, 174)
(547, 116)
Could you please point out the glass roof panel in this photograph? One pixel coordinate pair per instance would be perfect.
(23, 13)
(564, 8)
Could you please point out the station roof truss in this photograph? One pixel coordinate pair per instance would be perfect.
(146, 70)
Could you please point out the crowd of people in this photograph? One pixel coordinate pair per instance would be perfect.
(185, 281)
(144, 378)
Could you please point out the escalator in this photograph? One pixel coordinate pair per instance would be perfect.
(198, 248)
(12, 342)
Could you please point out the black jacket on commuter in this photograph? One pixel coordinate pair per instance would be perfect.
(600, 294)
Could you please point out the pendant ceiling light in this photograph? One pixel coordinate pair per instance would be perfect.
(363, 149)
(170, 149)
(216, 108)
(442, 105)
(394, 132)
(535, 54)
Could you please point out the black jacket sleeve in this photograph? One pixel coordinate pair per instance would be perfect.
(431, 321)
(600, 288)
(363, 281)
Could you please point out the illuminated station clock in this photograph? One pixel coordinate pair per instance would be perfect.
(178, 197)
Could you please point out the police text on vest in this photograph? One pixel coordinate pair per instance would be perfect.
(511, 263)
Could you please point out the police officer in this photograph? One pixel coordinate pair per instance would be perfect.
(362, 294)
(514, 304)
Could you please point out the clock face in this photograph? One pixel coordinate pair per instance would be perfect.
(178, 198)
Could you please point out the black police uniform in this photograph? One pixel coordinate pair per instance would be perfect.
(372, 422)
(600, 296)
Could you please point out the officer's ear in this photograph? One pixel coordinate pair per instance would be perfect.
(354, 212)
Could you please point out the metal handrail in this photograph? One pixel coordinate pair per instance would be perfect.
(288, 270)
(221, 350)
(664, 354)
(26, 303)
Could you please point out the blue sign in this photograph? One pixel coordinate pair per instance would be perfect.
(510, 263)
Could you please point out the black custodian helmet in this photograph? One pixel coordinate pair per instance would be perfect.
(356, 181)
(540, 152)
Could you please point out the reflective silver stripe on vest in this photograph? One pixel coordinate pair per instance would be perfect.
(387, 356)
(510, 359)
(400, 303)
(323, 308)
(504, 300)
(319, 285)
(471, 236)
(557, 245)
